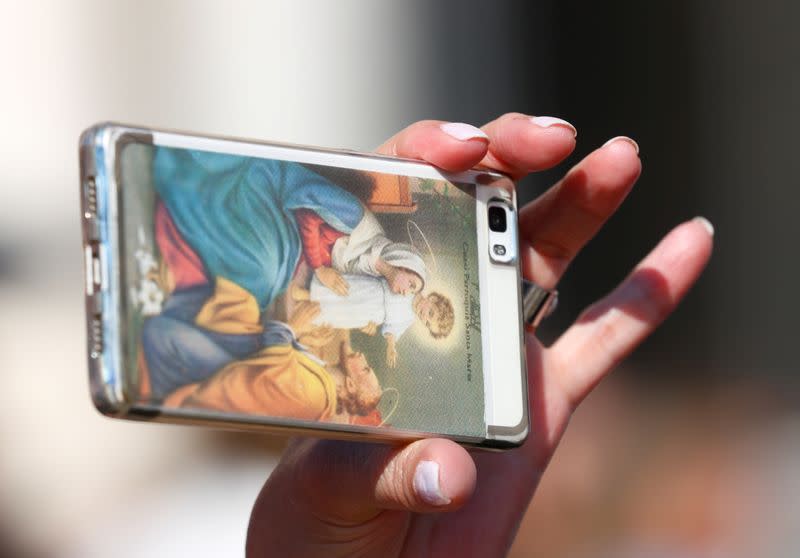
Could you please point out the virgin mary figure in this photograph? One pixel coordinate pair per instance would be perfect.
(249, 221)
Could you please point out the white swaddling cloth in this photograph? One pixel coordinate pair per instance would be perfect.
(367, 300)
(358, 252)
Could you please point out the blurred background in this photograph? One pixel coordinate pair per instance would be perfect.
(691, 449)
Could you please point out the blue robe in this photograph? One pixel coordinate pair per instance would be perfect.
(178, 352)
(237, 213)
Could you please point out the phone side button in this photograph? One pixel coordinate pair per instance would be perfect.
(94, 304)
(91, 229)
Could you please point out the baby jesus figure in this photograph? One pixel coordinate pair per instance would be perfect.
(369, 303)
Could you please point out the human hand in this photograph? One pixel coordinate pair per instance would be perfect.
(317, 337)
(370, 329)
(391, 354)
(329, 498)
(332, 279)
(302, 316)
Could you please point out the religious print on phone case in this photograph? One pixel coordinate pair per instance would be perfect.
(316, 293)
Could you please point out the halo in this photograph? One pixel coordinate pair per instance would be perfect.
(396, 404)
(409, 224)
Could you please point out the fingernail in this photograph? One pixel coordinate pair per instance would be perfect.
(462, 132)
(623, 138)
(426, 484)
(706, 223)
(547, 121)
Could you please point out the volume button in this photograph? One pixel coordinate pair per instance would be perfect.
(95, 304)
(91, 229)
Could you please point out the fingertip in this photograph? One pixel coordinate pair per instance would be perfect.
(691, 232)
(695, 236)
(457, 158)
(550, 121)
(462, 131)
(521, 143)
(552, 144)
(457, 147)
(451, 146)
(456, 475)
(428, 476)
(706, 224)
(622, 142)
(622, 155)
(614, 167)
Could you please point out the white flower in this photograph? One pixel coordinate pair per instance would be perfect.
(151, 297)
(146, 261)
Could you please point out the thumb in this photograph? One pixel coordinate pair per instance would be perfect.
(348, 481)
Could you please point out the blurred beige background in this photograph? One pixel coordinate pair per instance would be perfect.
(692, 449)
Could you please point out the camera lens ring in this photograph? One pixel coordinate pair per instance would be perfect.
(497, 219)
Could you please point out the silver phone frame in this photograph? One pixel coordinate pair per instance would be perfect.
(102, 242)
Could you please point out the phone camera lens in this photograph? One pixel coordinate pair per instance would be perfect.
(497, 219)
(499, 249)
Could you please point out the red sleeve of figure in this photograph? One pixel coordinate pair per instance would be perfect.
(184, 264)
(374, 418)
(317, 236)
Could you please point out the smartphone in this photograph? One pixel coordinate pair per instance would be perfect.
(301, 290)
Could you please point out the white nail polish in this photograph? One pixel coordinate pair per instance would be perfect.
(623, 138)
(706, 223)
(463, 132)
(547, 121)
(426, 484)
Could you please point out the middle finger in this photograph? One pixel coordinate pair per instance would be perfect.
(555, 226)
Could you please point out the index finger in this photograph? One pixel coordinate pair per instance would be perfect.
(309, 310)
(515, 144)
(324, 333)
(452, 146)
(341, 287)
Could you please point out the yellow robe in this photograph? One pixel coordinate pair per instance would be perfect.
(279, 381)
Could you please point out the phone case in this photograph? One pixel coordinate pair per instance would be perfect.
(285, 292)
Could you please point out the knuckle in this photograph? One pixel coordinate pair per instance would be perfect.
(425, 123)
(607, 333)
(553, 249)
(650, 294)
(508, 116)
